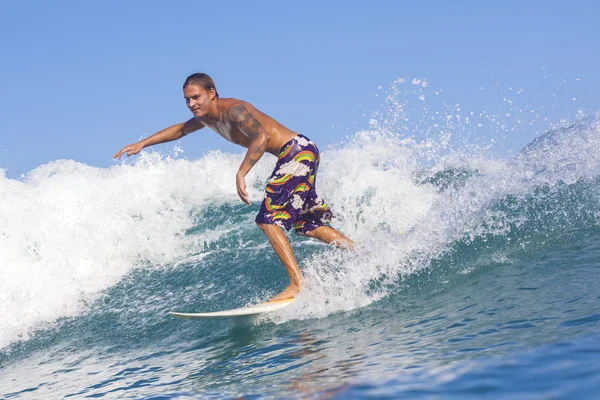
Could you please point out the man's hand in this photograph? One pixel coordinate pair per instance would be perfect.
(240, 183)
(130, 149)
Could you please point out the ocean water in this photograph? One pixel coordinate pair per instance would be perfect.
(472, 277)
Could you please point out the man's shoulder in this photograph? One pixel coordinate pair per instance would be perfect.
(231, 102)
(234, 107)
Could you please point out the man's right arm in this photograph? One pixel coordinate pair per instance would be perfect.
(166, 135)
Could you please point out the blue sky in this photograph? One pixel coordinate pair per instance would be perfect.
(79, 79)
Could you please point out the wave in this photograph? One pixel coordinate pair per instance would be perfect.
(71, 232)
(462, 211)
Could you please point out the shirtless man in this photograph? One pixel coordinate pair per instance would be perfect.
(290, 198)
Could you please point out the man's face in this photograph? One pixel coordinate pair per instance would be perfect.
(198, 100)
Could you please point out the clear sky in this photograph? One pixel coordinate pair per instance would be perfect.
(81, 79)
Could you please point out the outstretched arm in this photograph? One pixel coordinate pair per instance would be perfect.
(166, 135)
(241, 115)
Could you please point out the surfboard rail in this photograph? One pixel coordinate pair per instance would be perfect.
(236, 312)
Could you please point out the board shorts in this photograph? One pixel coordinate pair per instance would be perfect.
(291, 200)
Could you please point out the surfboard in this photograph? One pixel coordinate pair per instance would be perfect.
(237, 312)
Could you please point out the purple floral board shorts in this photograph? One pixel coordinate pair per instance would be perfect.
(290, 196)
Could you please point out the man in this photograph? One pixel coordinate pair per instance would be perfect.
(290, 196)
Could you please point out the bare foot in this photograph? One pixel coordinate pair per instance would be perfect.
(288, 293)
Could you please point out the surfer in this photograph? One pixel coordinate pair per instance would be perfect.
(290, 200)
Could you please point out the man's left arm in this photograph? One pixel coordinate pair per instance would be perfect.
(242, 116)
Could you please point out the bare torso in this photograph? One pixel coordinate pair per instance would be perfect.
(224, 126)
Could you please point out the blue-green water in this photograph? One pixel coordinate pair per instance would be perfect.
(470, 279)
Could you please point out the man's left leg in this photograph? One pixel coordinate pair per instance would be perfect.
(283, 249)
(331, 236)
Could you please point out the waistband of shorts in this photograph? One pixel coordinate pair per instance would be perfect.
(292, 140)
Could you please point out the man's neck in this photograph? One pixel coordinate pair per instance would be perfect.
(213, 113)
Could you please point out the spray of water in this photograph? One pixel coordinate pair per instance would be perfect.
(405, 190)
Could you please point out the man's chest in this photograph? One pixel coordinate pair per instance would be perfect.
(228, 131)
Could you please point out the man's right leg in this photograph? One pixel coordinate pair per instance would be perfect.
(283, 249)
(329, 235)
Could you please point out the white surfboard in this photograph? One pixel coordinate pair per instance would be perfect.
(249, 310)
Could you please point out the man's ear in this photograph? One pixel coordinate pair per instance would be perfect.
(212, 93)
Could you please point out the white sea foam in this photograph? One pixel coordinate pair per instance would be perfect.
(400, 223)
(69, 231)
